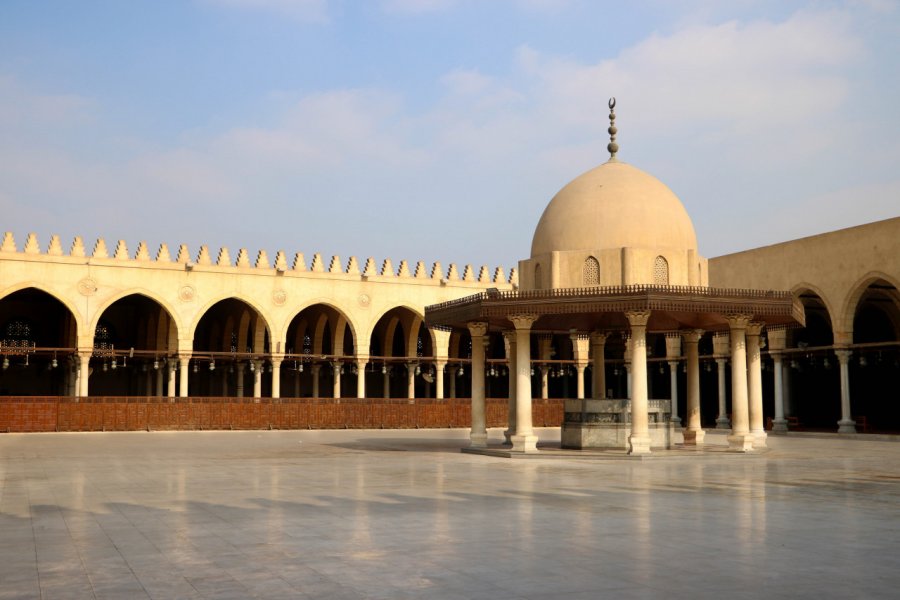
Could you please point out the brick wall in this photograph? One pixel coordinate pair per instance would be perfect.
(23, 414)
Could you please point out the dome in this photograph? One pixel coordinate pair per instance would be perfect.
(614, 205)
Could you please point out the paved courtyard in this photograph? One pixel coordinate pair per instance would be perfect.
(404, 514)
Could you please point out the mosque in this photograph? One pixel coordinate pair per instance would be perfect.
(614, 319)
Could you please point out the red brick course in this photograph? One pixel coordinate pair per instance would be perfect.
(26, 414)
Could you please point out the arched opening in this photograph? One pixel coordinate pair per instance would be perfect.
(230, 352)
(875, 370)
(37, 345)
(133, 340)
(813, 375)
(402, 351)
(319, 350)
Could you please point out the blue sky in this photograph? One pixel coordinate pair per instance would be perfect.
(438, 129)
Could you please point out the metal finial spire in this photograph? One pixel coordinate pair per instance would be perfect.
(613, 147)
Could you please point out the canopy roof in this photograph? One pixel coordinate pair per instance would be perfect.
(602, 308)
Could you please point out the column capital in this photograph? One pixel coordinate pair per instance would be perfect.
(477, 329)
(637, 318)
(598, 338)
(843, 355)
(522, 322)
(738, 321)
(754, 328)
(673, 344)
(691, 336)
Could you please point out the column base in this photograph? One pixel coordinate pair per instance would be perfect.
(693, 437)
(847, 426)
(779, 426)
(723, 423)
(740, 442)
(676, 421)
(524, 443)
(759, 438)
(478, 440)
(507, 437)
(638, 445)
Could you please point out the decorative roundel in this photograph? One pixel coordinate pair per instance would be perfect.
(186, 293)
(364, 299)
(279, 297)
(87, 287)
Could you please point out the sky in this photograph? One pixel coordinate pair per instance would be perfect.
(438, 130)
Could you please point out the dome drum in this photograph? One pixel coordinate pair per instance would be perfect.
(614, 267)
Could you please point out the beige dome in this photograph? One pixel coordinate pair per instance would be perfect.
(614, 206)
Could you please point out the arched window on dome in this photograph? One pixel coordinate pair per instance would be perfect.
(590, 272)
(660, 271)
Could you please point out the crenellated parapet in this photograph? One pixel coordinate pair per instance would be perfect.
(334, 267)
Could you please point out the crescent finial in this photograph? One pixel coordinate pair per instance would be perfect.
(612, 147)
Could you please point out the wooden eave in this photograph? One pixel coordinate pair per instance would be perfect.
(603, 308)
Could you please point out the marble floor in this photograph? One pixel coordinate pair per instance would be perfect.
(404, 514)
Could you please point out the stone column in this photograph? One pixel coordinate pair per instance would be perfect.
(693, 431)
(361, 363)
(777, 342)
(581, 345)
(452, 375)
(439, 366)
(257, 378)
(239, 379)
(172, 369)
(159, 384)
(184, 363)
(84, 372)
(779, 423)
(276, 376)
(336, 380)
(639, 440)
(296, 384)
(478, 436)
(722, 421)
(740, 439)
(387, 381)
(598, 354)
(524, 440)
(316, 370)
(511, 354)
(673, 352)
(846, 424)
(410, 380)
(545, 346)
(754, 385)
(721, 348)
(627, 365)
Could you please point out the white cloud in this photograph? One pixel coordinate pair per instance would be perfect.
(736, 111)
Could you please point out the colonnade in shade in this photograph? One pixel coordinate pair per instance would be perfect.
(743, 344)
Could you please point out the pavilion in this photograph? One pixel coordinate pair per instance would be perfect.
(615, 253)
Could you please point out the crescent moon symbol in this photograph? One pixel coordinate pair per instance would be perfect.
(612, 103)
